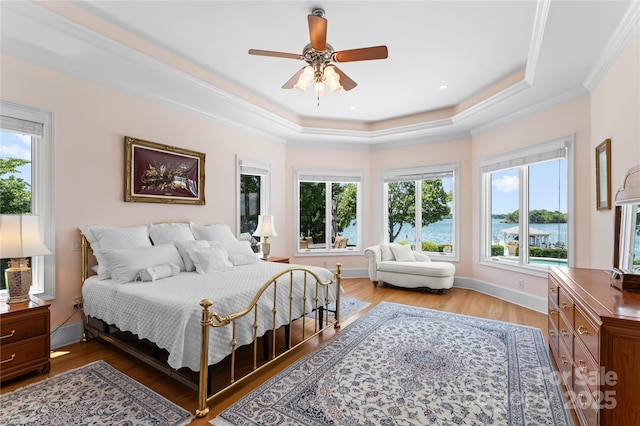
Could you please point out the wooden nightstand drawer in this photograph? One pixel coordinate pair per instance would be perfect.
(25, 343)
(13, 331)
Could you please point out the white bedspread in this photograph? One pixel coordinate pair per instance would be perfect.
(168, 312)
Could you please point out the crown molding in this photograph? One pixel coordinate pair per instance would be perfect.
(629, 26)
(539, 24)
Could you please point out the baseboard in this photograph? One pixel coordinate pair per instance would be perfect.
(526, 300)
(66, 334)
(535, 303)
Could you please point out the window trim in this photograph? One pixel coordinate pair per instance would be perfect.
(351, 176)
(246, 166)
(415, 172)
(43, 201)
(516, 158)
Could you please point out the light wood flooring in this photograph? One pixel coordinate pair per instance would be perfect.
(462, 301)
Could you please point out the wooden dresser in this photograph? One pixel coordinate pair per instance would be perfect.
(24, 338)
(594, 337)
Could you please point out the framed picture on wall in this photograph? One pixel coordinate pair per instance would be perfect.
(156, 173)
(603, 175)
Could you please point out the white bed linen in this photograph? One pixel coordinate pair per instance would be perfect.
(168, 312)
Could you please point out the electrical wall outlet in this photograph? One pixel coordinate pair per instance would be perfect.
(520, 283)
(77, 301)
(75, 245)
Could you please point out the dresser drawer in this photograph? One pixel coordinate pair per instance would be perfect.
(588, 334)
(565, 305)
(13, 331)
(553, 311)
(585, 401)
(553, 290)
(553, 336)
(566, 336)
(585, 365)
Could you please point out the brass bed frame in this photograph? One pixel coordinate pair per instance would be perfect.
(202, 382)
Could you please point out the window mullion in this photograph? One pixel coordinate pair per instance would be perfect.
(418, 207)
(524, 215)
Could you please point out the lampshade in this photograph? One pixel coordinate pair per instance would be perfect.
(629, 192)
(20, 237)
(265, 227)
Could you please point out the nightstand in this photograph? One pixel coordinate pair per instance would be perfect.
(278, 259)
(25, 340)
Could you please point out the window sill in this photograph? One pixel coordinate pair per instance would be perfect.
(334, 252)
(538, 271)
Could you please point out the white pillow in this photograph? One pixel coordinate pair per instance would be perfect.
(184, 247)
(114, 237)
(209, 260)
(239, 252)
(125, 264)
(168, 233)
(216, 232)
(387, 254)
(158, 272)
(403, 253)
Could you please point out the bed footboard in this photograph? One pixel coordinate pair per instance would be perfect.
(321, 292)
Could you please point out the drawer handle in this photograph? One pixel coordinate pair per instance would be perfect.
(564, 359)
(564, 306)
(583, 366)
(13, 356)
(552, 333)
(583, 401)
(565, 333)
(552, 312)
(8, 335)
(552, 290)
(583, 330)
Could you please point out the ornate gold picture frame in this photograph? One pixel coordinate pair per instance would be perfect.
(603, 175)
(156, 173)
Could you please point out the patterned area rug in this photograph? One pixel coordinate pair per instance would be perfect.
(348, 306)
(402, 365)
(96, 394)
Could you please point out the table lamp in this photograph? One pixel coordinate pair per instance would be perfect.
(19, 239)
(265, 230)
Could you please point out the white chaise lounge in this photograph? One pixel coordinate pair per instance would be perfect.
(398, 265)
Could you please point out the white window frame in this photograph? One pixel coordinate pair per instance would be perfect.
(628, 215)
(42, 188)
(255, 168)
(521, 157)
(424, 173)
(327, 176)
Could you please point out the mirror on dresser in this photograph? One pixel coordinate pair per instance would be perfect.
(626, 254)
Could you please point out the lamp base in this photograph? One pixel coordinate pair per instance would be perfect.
(266, 248)
(18, 280)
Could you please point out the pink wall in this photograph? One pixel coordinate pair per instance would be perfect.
(91, 122)
(615, 114)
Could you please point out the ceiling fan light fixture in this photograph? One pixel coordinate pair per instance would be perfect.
(305, 79)
(332, 78)
(318, 89)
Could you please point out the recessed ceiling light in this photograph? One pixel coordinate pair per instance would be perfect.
(444, 86)
(352, 108)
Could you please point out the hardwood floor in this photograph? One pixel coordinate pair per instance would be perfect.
(455, 300)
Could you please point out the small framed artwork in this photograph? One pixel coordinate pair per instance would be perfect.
(603, 175)
(156, 173)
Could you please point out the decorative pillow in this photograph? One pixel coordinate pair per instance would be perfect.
(402, 252)
(169, 233)
(114, 237)
(387, 254)
(125, 264)
(209, 260)
(216, 232)
(240, 252)
(158, 272)
(184, 247)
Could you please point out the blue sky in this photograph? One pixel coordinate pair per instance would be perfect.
(543, 189)
(13, 145)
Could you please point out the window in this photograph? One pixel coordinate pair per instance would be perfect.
(253, 196)
(629, 248)
(536, 180)
(427, 196)
(329, 212)
(27, 135)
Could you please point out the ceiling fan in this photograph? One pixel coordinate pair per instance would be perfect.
(319, 55)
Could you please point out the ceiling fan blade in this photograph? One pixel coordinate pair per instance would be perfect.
(293, 80)
(274, 54)
(318, 32)
(345, 81)
(363, 54)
